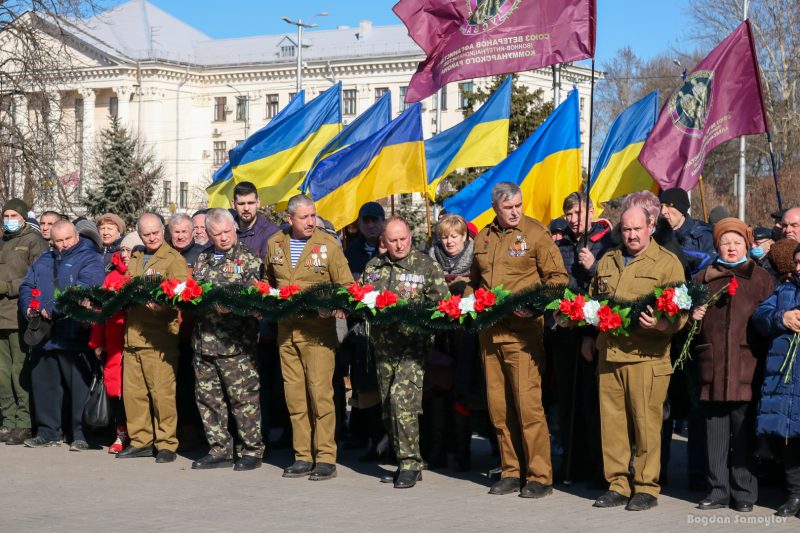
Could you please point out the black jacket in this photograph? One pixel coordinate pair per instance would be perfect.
(600, 241)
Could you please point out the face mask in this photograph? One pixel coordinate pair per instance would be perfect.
(11, 226)
(757, 252)
(726, 263)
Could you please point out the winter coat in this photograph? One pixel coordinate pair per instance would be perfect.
(599, 242)
(78, 266)
(256, 236)
(728, 347)
(110, 336)
(779, 407)
(193, 251)
(697, 240)
(109, 252)
(18, 251)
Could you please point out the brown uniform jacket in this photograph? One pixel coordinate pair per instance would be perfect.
(322, 261)
(18, 251)
(155, 329)
(655, 267)
(728, 346)
(517, 258)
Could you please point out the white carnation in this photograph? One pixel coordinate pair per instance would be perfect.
(274, 292)
(467, 305)
(179, 288)
(369, 299)
(682, 298)
(590, 309)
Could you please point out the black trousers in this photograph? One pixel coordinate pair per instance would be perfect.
(790, 458)
(54, 373)
(730, 442)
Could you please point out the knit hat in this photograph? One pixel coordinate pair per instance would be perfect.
(131, 241)
(114, 219)
(781, 255)
(717, 214)
(15, 204)
(733, 224)
(87, 228)
(677, 198)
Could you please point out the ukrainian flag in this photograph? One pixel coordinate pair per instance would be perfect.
(220, 192)
(367, 124)
(618, 171)
(275, 159)
(547, 166)
(391, 161)
(481, 140)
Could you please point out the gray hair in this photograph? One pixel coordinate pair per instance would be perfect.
(503, 191)
(298, 200)
(148, 214)
(62, 224)
(219, 216)
(179, 218)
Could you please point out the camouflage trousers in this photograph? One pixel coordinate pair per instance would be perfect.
(235, 379)
(400, 384)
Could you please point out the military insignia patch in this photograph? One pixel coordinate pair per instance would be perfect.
(690, 104)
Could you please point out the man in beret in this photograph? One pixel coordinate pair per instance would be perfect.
(762, 243)
(20, 246)
(693, 235)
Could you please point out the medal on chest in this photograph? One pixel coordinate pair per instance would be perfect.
(410, 283)
(519, 248)
(602, 284)
(277, 259)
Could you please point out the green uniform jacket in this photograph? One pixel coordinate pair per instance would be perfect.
(655, 267)
(226, 334)
(416, 277)
(155, 329)
(18, 251)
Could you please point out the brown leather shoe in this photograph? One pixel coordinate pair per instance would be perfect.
(18, 436)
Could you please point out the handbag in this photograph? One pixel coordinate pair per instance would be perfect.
(97, 409)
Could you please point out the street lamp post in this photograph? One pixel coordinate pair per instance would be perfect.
(300, 25)
(246, 102)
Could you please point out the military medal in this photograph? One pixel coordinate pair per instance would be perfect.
(602, 284)
(323, 250)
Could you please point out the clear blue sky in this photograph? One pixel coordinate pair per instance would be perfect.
(648, 26)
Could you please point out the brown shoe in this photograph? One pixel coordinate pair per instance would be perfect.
(5, 433)
(18, 436)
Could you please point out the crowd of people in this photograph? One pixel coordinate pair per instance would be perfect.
(611, 402)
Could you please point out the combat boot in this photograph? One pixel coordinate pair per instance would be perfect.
(18, 436)
(407, 479)
(5, 433)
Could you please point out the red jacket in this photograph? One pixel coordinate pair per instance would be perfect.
(111, 335)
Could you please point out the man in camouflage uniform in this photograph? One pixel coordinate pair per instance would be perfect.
(225, 347)
(400, 354)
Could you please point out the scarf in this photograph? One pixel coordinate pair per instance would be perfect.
(456, 265)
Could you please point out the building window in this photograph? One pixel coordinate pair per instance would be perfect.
(220, 153)
(465, 89)
(291, 96)
(220, 103)
(288, 50)
(238, 142)
(167, 193)
(443, 96)
(113, 106)
(583, 101)
(349, 101)
(183, 194)
(403, 104)
(241, 108)
(79, 120)
(379, 92)
(272, 105)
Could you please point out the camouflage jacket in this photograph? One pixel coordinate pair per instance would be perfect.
(414, 278)
(226, 334)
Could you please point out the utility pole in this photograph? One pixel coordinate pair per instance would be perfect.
(300, 25)
(742, 147)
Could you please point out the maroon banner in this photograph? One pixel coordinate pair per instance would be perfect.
(719, 100)
(474, 38)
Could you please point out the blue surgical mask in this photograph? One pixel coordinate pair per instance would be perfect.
(727, 264)
(11, 226)
(757, 252)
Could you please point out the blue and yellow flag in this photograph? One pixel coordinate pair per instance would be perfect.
(481, 140)
(368, 123)
(547, 166)
(391, 161)
(276, 159)
(618, 171)
(220, 192)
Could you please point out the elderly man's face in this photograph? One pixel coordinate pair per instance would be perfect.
(223, 235)
(509, 212)
(181, 234)
(397, 240)
(199, 229)
(635, 231)
(151, 232)
(64, 237)
(303, 221)
(790, 224)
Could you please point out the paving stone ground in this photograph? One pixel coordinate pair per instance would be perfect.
(53, 489)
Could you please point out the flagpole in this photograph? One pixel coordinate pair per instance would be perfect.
(589, 164)
(703, 199)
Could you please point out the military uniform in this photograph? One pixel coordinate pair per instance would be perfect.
(400, 354)
(224, 364)
(150, 359)
(306, 344)
(513, 350)
(634, 371)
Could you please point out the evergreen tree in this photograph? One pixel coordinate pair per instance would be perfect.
(126, 176)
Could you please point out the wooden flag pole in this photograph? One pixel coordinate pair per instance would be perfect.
(774, 170)
(703, 199)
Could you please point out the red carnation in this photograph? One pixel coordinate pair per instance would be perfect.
(484, 299)
(191, 291)
(666, 302)
(358, 291)
(288, 291)
(385, 299)
(609, 320)
(36, 293)
(733, 286)
(115, 284)
(450, 306)
(117, 261)
(35, 304)
(262, 287)
(168, 287)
